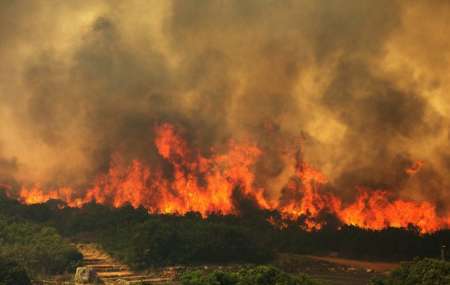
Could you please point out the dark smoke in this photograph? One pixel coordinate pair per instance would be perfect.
(363, 84)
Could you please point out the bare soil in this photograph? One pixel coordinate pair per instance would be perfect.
(334, 270)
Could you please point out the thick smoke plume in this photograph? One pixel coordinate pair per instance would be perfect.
(362, 85)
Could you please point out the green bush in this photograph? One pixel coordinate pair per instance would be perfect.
(215, 278)
(39, 249)
(163, 241)
(420, 272)
(267, 275)
(259, 275)
(12, 274)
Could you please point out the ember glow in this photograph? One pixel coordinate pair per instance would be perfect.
(206, 184)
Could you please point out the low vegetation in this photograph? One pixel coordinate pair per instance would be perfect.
(39, 249)
(420, 272)
(259, 275)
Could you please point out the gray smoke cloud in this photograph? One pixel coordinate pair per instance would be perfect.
(363, 84)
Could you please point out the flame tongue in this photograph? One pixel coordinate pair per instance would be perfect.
(206, 185)
(376, 211)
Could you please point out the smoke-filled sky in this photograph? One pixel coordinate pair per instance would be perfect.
(363, 84)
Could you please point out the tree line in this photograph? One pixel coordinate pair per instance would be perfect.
(143, 239)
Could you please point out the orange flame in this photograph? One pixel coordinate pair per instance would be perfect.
(206, 185)
(376, 211)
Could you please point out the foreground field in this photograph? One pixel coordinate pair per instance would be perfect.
(327, 270)
(300, 270)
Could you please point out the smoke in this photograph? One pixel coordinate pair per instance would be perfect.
(362, 84)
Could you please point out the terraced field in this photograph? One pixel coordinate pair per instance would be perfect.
(110, 271)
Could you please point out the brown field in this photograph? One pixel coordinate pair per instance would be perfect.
(334, 270)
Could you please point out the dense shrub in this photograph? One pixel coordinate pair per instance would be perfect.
(39, 249)
(12, 274)
(164, 241)
(420, 272)
(260, 275)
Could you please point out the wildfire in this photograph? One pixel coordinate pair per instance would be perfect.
(206, 184)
